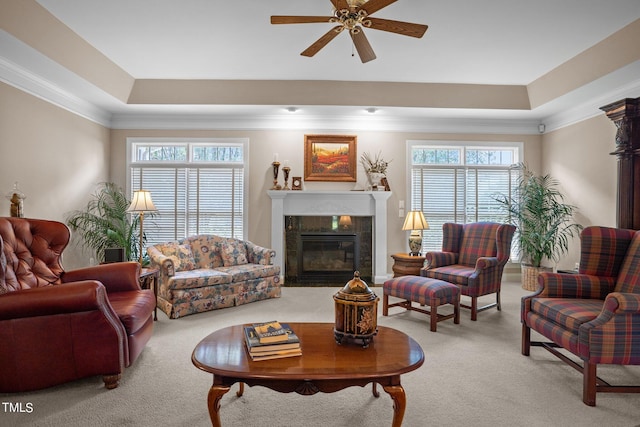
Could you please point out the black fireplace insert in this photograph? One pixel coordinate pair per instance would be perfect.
(327, 256)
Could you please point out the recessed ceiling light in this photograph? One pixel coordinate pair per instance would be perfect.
(371, 110)
(292, 109)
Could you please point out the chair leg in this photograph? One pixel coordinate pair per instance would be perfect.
(434, 315)
(385, 305)
(526, 340)
(589, 383)
(474, 308)
(456, 311)
(498, 300)
(111, 381)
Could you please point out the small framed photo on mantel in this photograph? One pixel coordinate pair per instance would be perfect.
(296, 183)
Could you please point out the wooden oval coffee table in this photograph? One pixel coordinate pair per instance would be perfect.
(324, 366)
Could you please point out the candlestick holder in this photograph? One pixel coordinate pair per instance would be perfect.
(285, 172)
(276, 168)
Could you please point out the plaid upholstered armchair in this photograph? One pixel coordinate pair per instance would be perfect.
(473, 257)
(594, 314)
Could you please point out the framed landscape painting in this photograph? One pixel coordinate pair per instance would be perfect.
(330, 158)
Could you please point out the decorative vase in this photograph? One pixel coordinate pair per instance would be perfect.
(375, 178)
(356, 309)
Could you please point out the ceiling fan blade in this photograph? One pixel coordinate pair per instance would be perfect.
(277, 19)
(362, 46)
(322, 41)
(340, 4)
(398, 27)
(373, 6)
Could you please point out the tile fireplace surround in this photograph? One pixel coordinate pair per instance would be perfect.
(315, 203)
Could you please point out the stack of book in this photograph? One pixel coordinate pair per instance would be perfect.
(271, 340)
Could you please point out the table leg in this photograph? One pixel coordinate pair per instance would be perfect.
(374, 389)
(155, 294)
(399, 403)
(240, 391)
(215, 394)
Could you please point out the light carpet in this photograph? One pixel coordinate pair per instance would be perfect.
(473, 374)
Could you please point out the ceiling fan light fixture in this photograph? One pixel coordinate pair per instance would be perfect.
(354, 16)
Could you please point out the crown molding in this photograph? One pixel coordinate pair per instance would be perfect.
(591, 108)
(447, 121)
(20, 78)
(325, 123)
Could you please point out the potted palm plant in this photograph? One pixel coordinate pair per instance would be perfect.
(544, 222)
(104, 222)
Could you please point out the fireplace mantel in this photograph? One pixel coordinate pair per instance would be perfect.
(314, 203)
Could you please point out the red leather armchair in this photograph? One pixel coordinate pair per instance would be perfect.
(58, 326)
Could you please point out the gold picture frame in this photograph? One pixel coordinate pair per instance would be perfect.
(330, 158)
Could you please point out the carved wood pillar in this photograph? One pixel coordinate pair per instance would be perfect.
(626, 116)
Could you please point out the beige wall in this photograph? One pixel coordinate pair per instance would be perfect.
(56, 156)
(578, 156)
(290, 146)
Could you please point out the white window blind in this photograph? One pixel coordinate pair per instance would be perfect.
(456, 182)
(197, 186)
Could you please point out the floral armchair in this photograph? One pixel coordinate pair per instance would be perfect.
(594, 314)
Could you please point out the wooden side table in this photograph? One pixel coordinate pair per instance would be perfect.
(149, 277)
(407, 265)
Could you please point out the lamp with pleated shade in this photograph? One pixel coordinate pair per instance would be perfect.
(415, 221)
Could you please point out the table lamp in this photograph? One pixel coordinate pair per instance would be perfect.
(415, 222)
(345, 221)
(141, 203)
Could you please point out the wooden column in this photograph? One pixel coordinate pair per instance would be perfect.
(626, 116)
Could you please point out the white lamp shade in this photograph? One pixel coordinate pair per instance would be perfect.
(142, 202)
(415, 220)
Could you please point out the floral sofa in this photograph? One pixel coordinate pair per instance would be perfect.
(207, 272)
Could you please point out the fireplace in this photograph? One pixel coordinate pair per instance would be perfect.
(329, 257)
(357, 204)
(320, 252)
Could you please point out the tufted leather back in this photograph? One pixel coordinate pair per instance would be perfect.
(32, 249)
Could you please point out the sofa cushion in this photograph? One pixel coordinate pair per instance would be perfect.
(244, 272)
(569, 313)
(206, 250)
(133, 308)
(233, 253)
(181, 255)
(198, 278)
(456, 274)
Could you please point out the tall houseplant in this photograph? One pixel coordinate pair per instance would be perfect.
(544, 222)
(104, 222)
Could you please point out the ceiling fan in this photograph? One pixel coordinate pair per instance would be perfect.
(353, 15)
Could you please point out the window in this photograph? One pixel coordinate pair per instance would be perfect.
(458, 182)
(197, 185)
